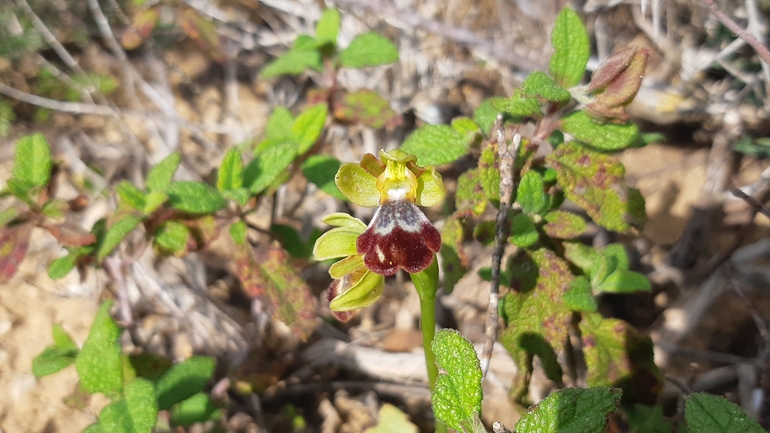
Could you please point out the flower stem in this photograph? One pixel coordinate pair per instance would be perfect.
(426, 283)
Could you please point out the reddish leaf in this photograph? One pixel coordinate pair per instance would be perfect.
(141, 27)
(203, 32)
(266, 273)
(71, 235)
(366, 107)
(14, 243)
(615, 83)
(204, 231)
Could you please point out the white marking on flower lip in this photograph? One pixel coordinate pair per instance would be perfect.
(380, 254)
(402, 213)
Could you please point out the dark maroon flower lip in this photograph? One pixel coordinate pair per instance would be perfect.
(335, 288)
(399, 237)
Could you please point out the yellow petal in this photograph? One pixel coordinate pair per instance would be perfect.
(358, 185)
(336, 243)
(430, 188)
(341, 219)
(346, 266)
(364, 292)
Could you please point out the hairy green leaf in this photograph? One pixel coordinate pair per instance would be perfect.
(99, 364)
(470, 196)
(230, 175)
(602, 136)
(239, 232)
(484, 115)
(579, 296)
(518, 105)
(454, 261)
(274, 158)
(184, 380)
(194, 197)
(571, 410)
(328, 26)
(308, 127)
(55, 208)
(531, 193)
(56, 357)
(540, 85)
(117, 232)
(571, 49)
(707, 413)
(60, 267)
(523, 231)
(320, 170)
(617, 354)
(457, 394)
(537, 320)
(131, 195)
(159, 177)
(279, 123)
(295, 61)
(435, 145)
(594, 181)
(171, 237)
(564, 225)
(647, 419)
(32, 162)
(198, 408)
(135, 413)
(369, 49)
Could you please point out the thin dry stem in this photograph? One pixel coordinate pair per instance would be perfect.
(762, 51)
(507, 156)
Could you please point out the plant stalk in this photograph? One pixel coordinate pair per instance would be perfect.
(426, 284)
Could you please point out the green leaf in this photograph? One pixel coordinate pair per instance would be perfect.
(55, 208)
(647, 419)
(603, 136)
(149, 365)
(194, 197)
(617, 354)
(159, 178)
(274, 158)
(531, 193)
(523, 231)
(279, 123)
(94, 428)
(579, 296)
(489, 174)
(485, 114)
(540, 85)
(454, 260)
(308, 126)
(320, 170)
(153, 201)
(457, 394)
(594, 181)
(564, 225)
(8, 215)
(131, 195)
(60, 267)
(571, 410)
(435, 145)
(117, 232)
(240, 195)
(184, 380)
(571, 49)
(23, 190)
(707, 413)
(291, 241)
(239, 232)
(99, 364)
(470, 196)
(624, 281)
(537, 320)
(581, 255)
(295, 61)
(518, 105)
(328, 26)
(467, 128)
(171, 237)
(198, 408)
(230, 175)
(32, 162)
(369, 49)
(391, 420)
(56, 357)
(7, 116)
(136, 413)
